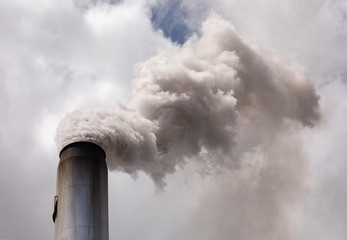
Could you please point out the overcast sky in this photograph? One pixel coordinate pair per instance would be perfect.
(59, 56)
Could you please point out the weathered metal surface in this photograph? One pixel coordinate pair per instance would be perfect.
(82, 190)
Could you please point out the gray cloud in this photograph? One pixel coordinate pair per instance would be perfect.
(192, 100)
(226, 105)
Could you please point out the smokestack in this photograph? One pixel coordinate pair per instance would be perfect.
(81, 204)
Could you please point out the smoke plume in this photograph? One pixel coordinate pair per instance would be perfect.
(210, 100)
(226, 105)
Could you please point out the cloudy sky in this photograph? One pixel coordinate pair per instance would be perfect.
(59, 56)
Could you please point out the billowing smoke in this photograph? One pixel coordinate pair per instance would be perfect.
(210, 100)
(226, 105)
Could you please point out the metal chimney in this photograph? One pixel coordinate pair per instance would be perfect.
(81, 204)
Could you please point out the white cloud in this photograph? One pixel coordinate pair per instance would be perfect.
(53, 61)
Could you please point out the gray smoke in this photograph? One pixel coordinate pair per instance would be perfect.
(196, 102)
(260, 198)
(227, 106)
(211, 100)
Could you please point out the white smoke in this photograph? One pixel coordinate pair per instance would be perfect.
(212, 101)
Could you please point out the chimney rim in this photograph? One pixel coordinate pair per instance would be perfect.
(80, 142)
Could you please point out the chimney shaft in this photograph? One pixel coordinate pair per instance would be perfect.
(82, 193)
